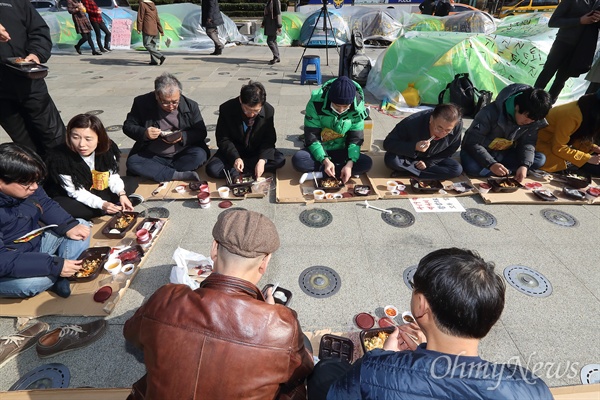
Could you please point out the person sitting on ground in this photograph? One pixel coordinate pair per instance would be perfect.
(572, 136)
(233, 342)
(84, 172)
(333, 132)
(457, 298)
(31, 263)
(157, 155)
(501, 139)
(246, 136)
(424, 143)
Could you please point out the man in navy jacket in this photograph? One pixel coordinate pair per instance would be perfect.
(30, 263)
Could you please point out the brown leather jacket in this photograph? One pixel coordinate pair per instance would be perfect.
(221, 341)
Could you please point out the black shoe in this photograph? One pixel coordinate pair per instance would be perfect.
(103, 50)
(162, 60)
(274, 60)
(61, 287)
(218, 51)
(77, 49)
(152, 63)
(107, 48)
(96, 53)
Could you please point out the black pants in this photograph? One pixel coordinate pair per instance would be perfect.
(216, 165)
(101, 26)
(325, 373)
(28, 114)
(80, 210)
(86, 37)
(557, 63)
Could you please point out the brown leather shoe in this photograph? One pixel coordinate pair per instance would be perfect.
(12, 345)
(69, 337)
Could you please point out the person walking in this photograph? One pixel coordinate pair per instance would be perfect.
(95, 16)
(148, 24)
(211, 19)
(272, 26)
(82, 25)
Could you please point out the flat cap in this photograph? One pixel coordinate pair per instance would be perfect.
(246, 233)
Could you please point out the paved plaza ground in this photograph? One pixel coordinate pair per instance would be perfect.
(554, 335)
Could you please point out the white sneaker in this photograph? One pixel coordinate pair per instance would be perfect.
(311, 175)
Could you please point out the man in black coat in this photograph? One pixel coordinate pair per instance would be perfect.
(169, 134)
(424, 143)
(211, 19)
(27, 112)
(246, 135)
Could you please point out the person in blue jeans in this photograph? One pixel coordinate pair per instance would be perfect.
(31, 263)
(501, 140)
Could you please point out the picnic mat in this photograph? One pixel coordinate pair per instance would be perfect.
(81, 302)
(290, 190)
(380, 174)
(526, 195)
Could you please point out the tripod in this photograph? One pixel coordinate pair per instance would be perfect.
(325, 14)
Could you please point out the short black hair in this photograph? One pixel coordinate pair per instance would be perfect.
(536, 103)
(448, 112)
(21, 165)
(464, 293)
(253, 93)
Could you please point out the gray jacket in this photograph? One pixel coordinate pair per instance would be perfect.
(272, 17)
(494, 122)
(211, 15)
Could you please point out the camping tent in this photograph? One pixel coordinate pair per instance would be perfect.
(313, 34)
(378, 27)
(290, 30)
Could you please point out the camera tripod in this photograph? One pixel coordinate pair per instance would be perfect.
(323, 13)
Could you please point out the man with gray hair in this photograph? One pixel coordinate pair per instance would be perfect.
(169, 134)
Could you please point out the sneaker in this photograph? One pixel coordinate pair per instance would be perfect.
(69, 337)
(12, 345)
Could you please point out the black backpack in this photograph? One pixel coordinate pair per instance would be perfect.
(465, 95)
(354, 63)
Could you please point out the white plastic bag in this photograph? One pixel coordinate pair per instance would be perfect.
(188, 265)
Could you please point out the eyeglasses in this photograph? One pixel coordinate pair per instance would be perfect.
(169, 103)
(27, 186)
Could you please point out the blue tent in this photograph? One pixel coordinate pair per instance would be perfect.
(337, 30)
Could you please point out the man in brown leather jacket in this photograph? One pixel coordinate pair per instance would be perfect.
(223, 340)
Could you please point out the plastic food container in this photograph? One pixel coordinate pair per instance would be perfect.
(338, 347)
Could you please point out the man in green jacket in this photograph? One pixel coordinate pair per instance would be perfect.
(333, 132)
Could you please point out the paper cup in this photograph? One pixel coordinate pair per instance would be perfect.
(391, 185)
(400, 187)
(113, 266)
(180, 189)
(319, 194)
(338, 196)
(203, 198)
(204, 188)
(395, 192)
(128, 269)
(224, 192)
(143, 236)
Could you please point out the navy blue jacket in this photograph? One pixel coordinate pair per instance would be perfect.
(426, 374)
(20, 216)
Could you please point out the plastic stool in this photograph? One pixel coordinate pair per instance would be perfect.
(311, 75)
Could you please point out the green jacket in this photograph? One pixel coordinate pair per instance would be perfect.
(325, 130)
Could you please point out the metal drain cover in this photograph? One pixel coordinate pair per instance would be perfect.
(528, 281)
(480, 218)
(243, 79)
(155, 212)
(560, 218)
(98, 77)
(114, 128)
(271, 73)
(316, 218)
(211, 127)
(194, 78)
(94, 112)
(47, 376)
(400, 218)
(223, 73)
(408, 274)
(590, 374)
(319, 281)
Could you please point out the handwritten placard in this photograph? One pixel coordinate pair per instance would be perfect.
(121, 34)
(436, 204)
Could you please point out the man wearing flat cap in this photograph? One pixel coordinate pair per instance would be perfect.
(333, 132)
(223, 340)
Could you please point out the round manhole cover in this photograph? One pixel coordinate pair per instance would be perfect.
(528, 281)
(98, 77)
(319, 281)
(243, 79)
(94, 112)
(211, 127)
(316, 218)
(223, 73)
(194, 78)
(114, 128)
(590, 374)
(87, 72)
(155, 212)
(479, 218)
(271, 73)
(47, 376)
(400, 218)
(407, 275)
(559, 218)
(145, 78)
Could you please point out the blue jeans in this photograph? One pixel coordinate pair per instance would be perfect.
(52, 244)
(161, 169)
(509, 158)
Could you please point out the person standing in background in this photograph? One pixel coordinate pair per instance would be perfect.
(82, 25)
(272, 26)
(148, 24)
(211, 19)
(27, 112)
(95, 16)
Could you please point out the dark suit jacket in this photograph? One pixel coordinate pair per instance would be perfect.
(144, 113)
(230, 133)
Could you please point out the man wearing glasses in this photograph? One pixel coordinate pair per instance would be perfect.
(169, 134)
(246, 136)
(423, 144)
(32, 262)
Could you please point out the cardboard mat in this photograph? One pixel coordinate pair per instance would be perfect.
(81, 302)
(379, 175)
(290, 190)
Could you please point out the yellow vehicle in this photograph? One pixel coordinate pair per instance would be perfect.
(514, 7)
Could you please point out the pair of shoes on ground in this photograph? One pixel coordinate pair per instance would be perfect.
(218, 51)
(50, 344)
(274, 60)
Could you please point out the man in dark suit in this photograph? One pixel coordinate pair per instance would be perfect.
(246, 135)
(211, 19)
